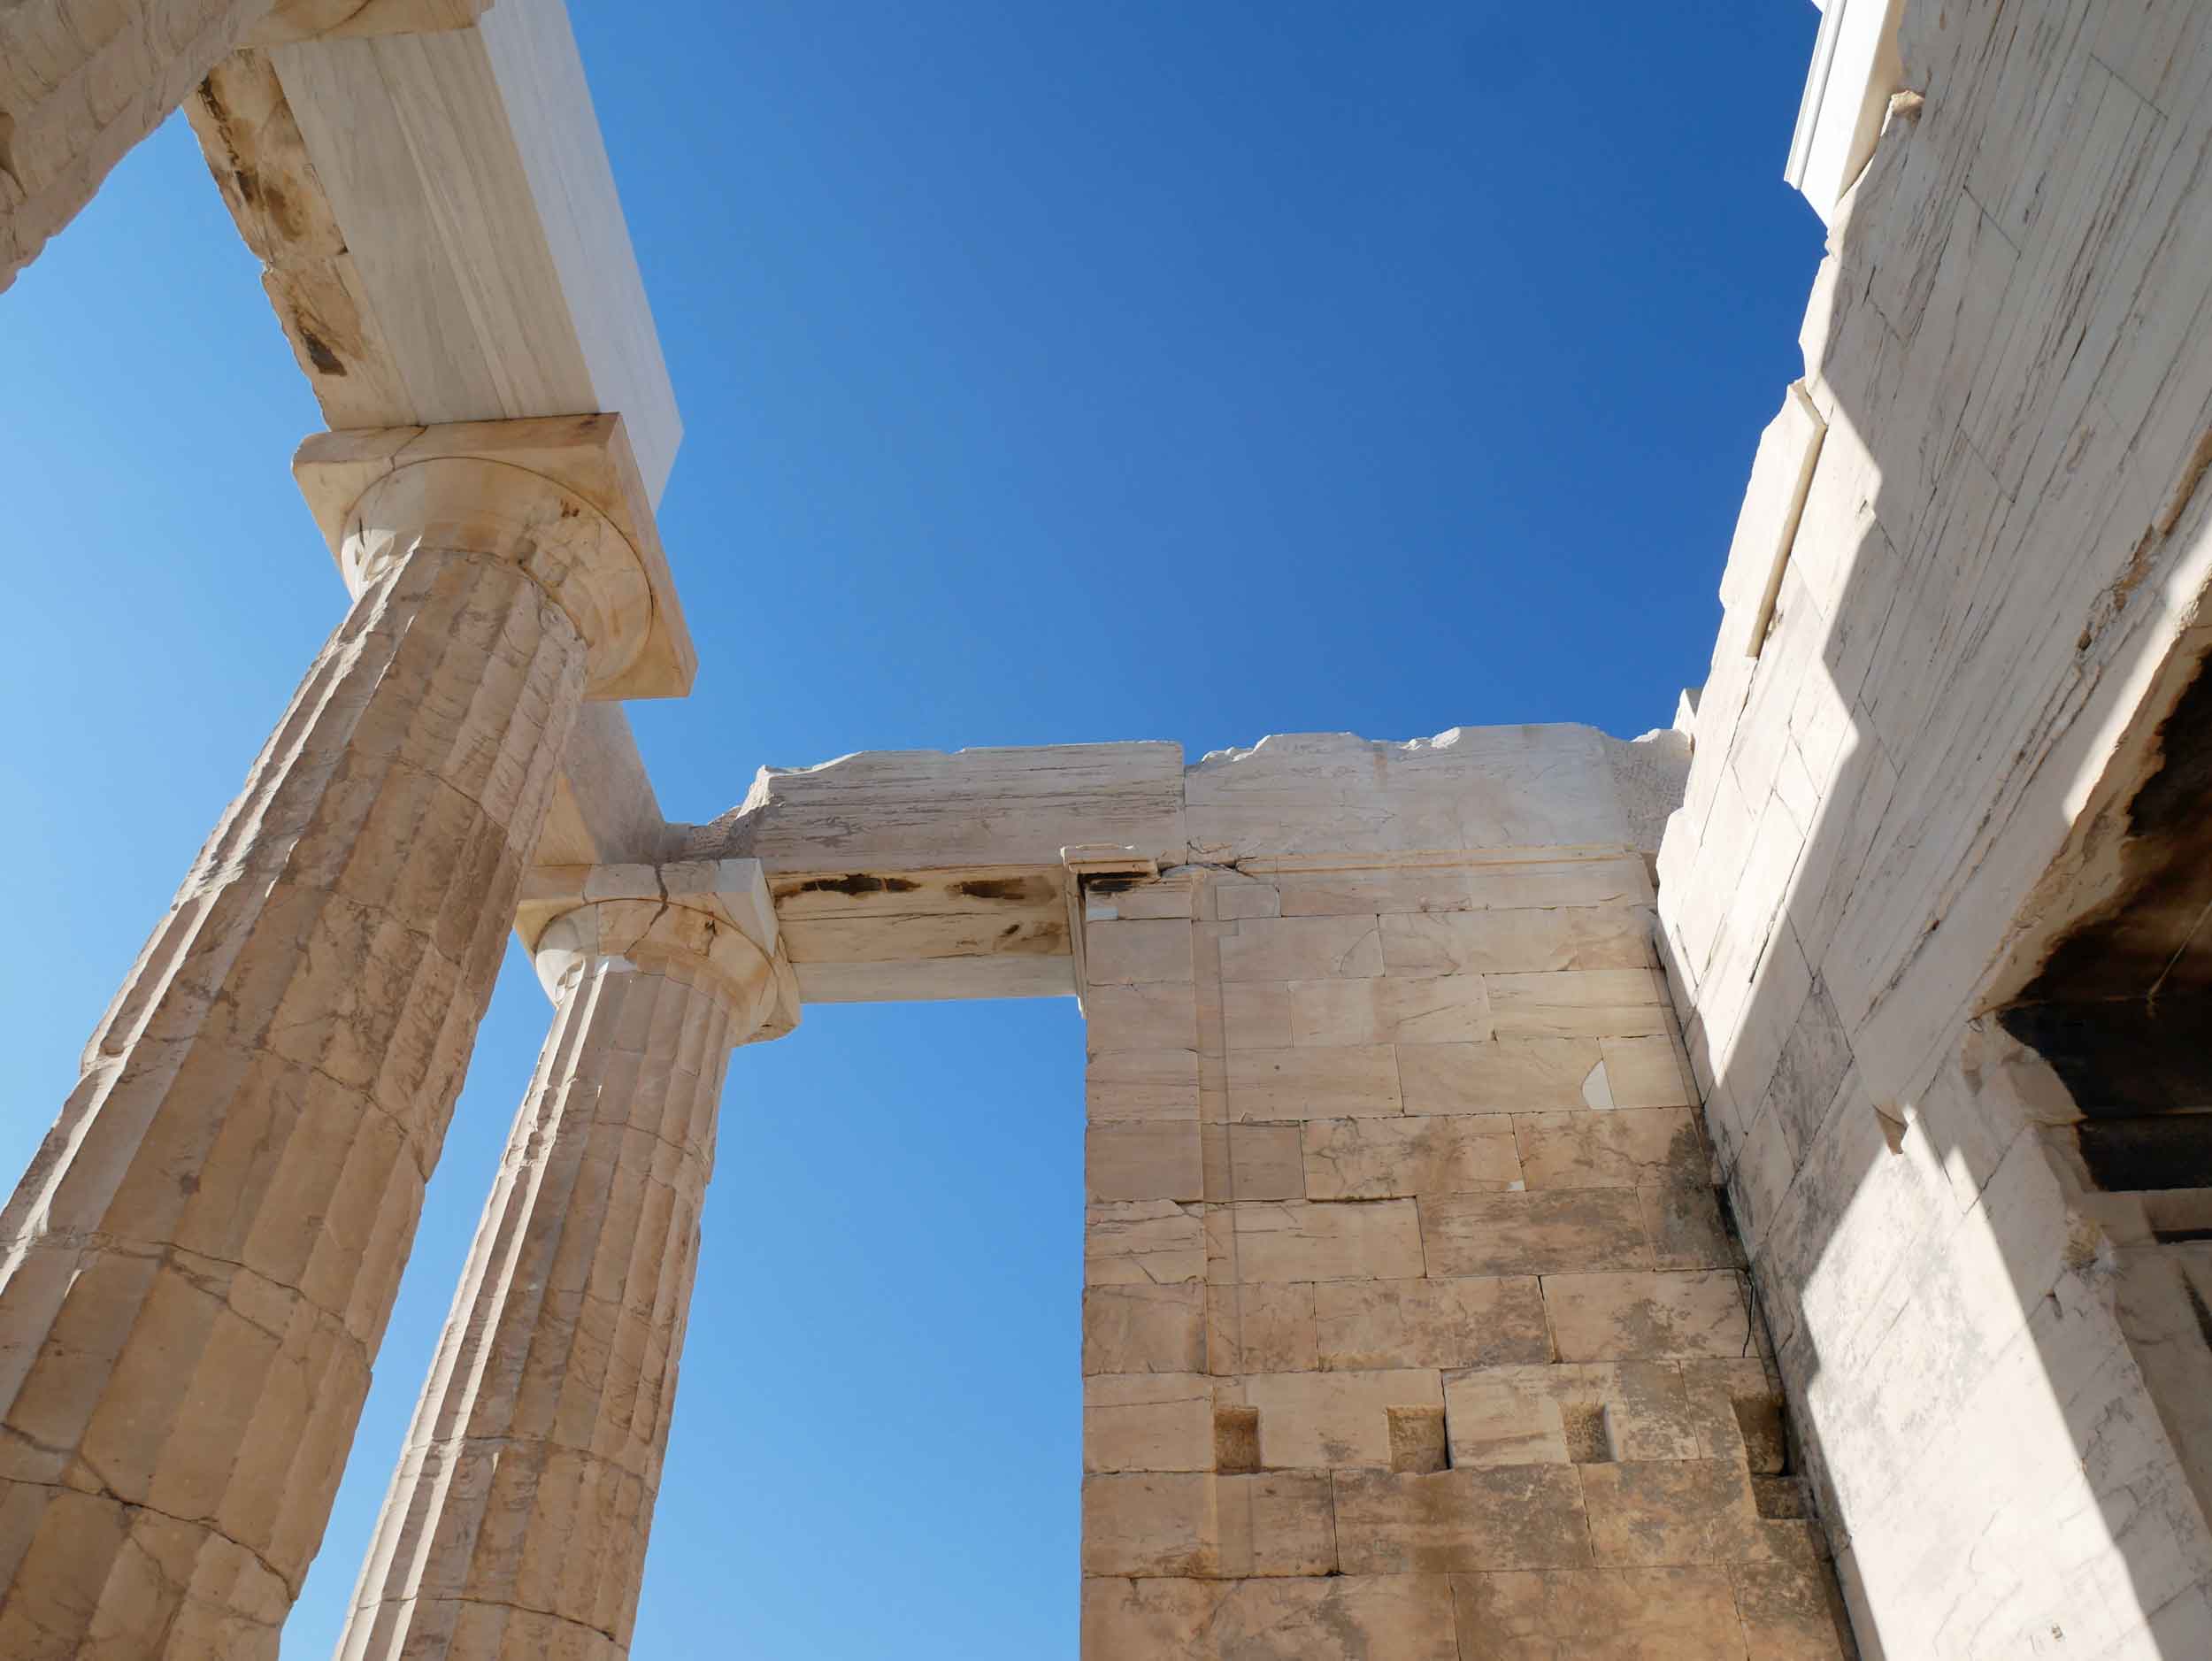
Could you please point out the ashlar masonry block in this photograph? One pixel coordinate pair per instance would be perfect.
(1305, 1241)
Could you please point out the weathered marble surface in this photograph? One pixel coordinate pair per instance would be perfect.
(922, 875)
(2001, 556)
(426, 189)
(196, 1270)
(517, 1519)
(198, 1266)
(1412, 1327)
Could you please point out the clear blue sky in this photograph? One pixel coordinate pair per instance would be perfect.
(1050, 372)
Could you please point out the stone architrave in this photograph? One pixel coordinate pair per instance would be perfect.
(517, 1519)
(196, 1270)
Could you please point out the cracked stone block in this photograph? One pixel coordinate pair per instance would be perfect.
(1302, 948)
(1622, 1149)
(1143, 1328)
(1148, 1421)
(1445, 1009)
(1518, 942)
(1260, 1328)
(1502, 1075)
(1403, 1156)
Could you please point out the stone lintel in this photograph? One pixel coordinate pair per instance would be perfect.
(587, 456)
(921, 875)
(345, 159)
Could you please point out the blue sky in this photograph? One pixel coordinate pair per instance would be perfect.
(1050, 372)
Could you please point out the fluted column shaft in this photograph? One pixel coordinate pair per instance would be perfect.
(516, 1523)
(196, 1270)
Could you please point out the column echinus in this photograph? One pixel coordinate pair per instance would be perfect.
(516, 1523)
(196, 1268)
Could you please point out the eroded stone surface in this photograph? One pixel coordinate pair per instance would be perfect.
(527, 1481)
(200, 1261)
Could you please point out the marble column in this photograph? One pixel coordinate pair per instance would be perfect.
(196, 1268)
(516, 1523)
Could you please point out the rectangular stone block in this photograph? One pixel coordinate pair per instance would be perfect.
(1568, 1414)
(1661, 1614)
(1684, 1227)
(1255, 1015)
(1140, 1242)
(1254, 1162)
(1144, 1328)
(1207, 1527)
(1375, 1618)
(1651, 1316)
(1517, 1516)
(1386, 1159)
(1617, 1149)
(1505, 1075)
(1158, 1523)
(1237, 898)
(1354, 1082)
(1790, 1611)
(1113, 900)
(1674, 1512)
(1149, 1160)
(1480, 1323)
(1354, 893)
(1138, 952)
(1309, 1420)
(1141, 1084)
(1163, 1015)
(1148, 1421)
(1304, 1241)
(1648, 1071)
(1545, 1234)
(1275, 1523)
(1580, 1003)
(1260, 1329)
(1518, 942)
(1441, 1008)
(1302, 948)
(1519, 885)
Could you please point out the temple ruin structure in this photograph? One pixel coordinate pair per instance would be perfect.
(1742, 1193)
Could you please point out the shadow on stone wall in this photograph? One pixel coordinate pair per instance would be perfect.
(1892, 821)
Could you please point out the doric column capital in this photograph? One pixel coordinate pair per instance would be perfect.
(560, 497)
(710, 915)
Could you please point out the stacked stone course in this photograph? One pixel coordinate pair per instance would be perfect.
(1412, 1329)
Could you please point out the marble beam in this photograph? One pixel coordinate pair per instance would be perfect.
(922, 875)
(437, 224)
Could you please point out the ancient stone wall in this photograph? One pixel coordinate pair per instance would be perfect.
(1411, 1328)
(1973, 546)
